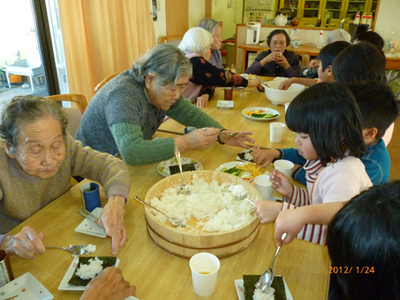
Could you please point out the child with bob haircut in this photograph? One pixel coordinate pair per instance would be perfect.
(327, 123)
(363, 236)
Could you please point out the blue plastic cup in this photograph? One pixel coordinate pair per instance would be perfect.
(189, 129)
(90, 196)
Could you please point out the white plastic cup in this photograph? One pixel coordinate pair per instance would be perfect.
(204, 267)
(264, 187)
(285, 166)
(286, 106)
(276, 131)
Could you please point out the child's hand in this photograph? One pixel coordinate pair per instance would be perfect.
(281, 183)
(267, 211)
(264, 157)
(289, 221)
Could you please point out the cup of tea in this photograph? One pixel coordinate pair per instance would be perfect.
(6, 274)
(204, 267)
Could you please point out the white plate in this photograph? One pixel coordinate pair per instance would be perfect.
(222, 104)
(163, 167)
(281, 78)
(65, 286)
(266, 109)
(25, 287)
(240, 289)
(90, 228)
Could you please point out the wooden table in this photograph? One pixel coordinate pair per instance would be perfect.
(305, 51)
(156, 273)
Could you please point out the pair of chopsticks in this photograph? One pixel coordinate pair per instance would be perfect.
(88, 215)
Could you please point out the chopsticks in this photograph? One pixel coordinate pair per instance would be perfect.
(88, 215)
(264, 148)
(173, 132)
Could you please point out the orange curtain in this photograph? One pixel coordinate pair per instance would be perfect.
(102, 37)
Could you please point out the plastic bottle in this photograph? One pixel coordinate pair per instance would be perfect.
(364, 18)
(320, 39)
(318, 21)
(369, 19)
(357, 18)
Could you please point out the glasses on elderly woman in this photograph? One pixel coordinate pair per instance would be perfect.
(274, 43)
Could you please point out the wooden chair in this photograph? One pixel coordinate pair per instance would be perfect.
(75, 98)
(104, 81)
(170, 38)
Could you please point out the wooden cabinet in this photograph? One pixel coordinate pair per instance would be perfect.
(332, 10)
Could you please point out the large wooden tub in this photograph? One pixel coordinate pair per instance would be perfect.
(185, 244)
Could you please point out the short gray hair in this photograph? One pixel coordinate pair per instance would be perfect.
(209, 25)
(24, 110)
(338, 35)
(196, 40)
(164, 60)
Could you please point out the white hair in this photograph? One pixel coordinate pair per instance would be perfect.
(196, 40)
(338, 35)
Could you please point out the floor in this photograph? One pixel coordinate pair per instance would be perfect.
(394, 151)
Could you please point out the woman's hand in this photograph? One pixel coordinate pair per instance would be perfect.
(285, 84)
(26, 244)
(281, 183)
(198, 139)
(273, 56)
(108, 285)
(202, 101)
(267, 211)
(264, 157)
(237, 141)
(254, 83)
(282, 61)
(112, 219)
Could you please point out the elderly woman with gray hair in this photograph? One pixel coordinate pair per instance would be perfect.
(214, 27)
(38, 158)
(196, 44)
(124, 114)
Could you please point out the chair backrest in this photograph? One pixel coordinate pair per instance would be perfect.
(74, 117)
(76, 98)
(104, 81)
(173, 39)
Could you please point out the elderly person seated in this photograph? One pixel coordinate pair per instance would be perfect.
(277, 61)
(38, 158)
(124, 114)
(109, 284)
(215, 29)
(196, 44)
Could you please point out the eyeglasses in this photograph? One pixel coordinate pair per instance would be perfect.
(274, 43)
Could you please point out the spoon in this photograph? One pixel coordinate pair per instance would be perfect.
(184, 188)
(243, 197)
(232, 134)
(75, 250)
(267, 277)
(174, 221)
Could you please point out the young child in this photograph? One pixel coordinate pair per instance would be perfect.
(363, 241)
(378, 109)
(326, 57)
(327, 124)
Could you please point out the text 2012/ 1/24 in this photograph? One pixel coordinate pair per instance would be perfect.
(348, 270)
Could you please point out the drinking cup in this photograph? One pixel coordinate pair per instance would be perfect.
(90, 196)
(264, 187)
(285, 166)
(228, 93)
(286, 106)
(276, 131)
(204, 267)
(189, 129)
(6, 274)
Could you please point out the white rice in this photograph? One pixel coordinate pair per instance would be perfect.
(260, 295)
(212, 204)
(88, 249)
(248, 156)
(89, 271)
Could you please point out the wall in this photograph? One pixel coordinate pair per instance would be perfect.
(388, 16)
(160, 26)
(197, 12)
(229, 16)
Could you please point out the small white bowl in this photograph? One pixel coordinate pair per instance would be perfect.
(222, 104)
(277, 96)
(295, 43)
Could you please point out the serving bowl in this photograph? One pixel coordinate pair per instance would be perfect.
(277, 96)
(184, 242)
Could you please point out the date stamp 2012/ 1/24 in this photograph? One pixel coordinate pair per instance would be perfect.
(349, 270)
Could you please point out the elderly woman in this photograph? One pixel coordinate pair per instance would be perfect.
(124, 114)
(196, 44)
(277, 61)
(215, 29)
(38, 158)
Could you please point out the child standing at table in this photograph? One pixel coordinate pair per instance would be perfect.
(327, 124)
